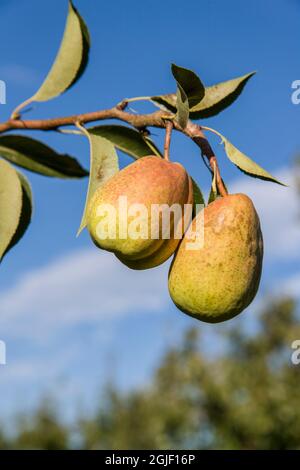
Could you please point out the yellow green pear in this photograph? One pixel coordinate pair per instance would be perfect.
(219, 278)
(131, 193)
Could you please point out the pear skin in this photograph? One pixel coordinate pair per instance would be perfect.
(219, 280)
(150, 180)
(164, 252)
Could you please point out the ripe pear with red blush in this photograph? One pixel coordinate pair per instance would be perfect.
(220, 278)
(148, 181)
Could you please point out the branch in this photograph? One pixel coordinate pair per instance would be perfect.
(139, 121)
(136, 120)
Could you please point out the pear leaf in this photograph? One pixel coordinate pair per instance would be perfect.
(71, 59)
(103, 164)
(166, 102)
(127, 140)
(198, 198)
(190, 83)
(212, 196)
(153, 147)
(182, 115)
(35, 156)
(214, 191)
(245, 164)
(10, 204)
(219, 96)
(216, 98)
(26, 212)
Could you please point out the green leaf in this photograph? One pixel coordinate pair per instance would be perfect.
(182, 115)
(214, 192)
(104, 164)
(245, 164)
(190, 83)
(212, 196)
(219, 96)
(70, 61)
(127, 140)
(26, 212)
(167, 102)
(216, 99)
(39, 158)
(11, 197)
(198, 197)
(155, 150)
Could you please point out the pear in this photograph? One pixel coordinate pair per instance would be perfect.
(148, 181)
(219, 279)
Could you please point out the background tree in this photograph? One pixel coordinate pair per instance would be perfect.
(245, 398)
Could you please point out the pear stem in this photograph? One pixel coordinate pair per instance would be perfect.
(219, 182)
(169, 128)
(195, 132)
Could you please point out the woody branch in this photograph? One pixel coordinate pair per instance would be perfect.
(141, 122)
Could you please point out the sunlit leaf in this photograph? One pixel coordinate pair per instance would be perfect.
(37, 157)
(103, 164)
(214, 192)
(11, 197)
(245, 163)
(127, 140)
(216, 99)
(71, 58)
(167, 102)
(70, 62)
(182, 115)
(219, 96)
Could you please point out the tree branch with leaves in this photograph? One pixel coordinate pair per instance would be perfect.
(191, 102)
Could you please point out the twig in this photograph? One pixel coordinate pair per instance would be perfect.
(160, 119)
(139, 120)
(220, 185)
(195, 132)
(169, 128)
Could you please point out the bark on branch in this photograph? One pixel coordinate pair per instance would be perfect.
(139, 121)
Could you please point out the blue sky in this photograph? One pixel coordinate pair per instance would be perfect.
(73, 317)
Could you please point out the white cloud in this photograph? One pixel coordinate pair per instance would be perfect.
(279, 211)
(91, 285)
(43, 313)
(291, 286)
(85, 286)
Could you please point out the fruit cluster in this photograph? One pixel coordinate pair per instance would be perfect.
(212, 283)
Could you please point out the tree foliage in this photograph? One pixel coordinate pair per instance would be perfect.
(246, 398)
